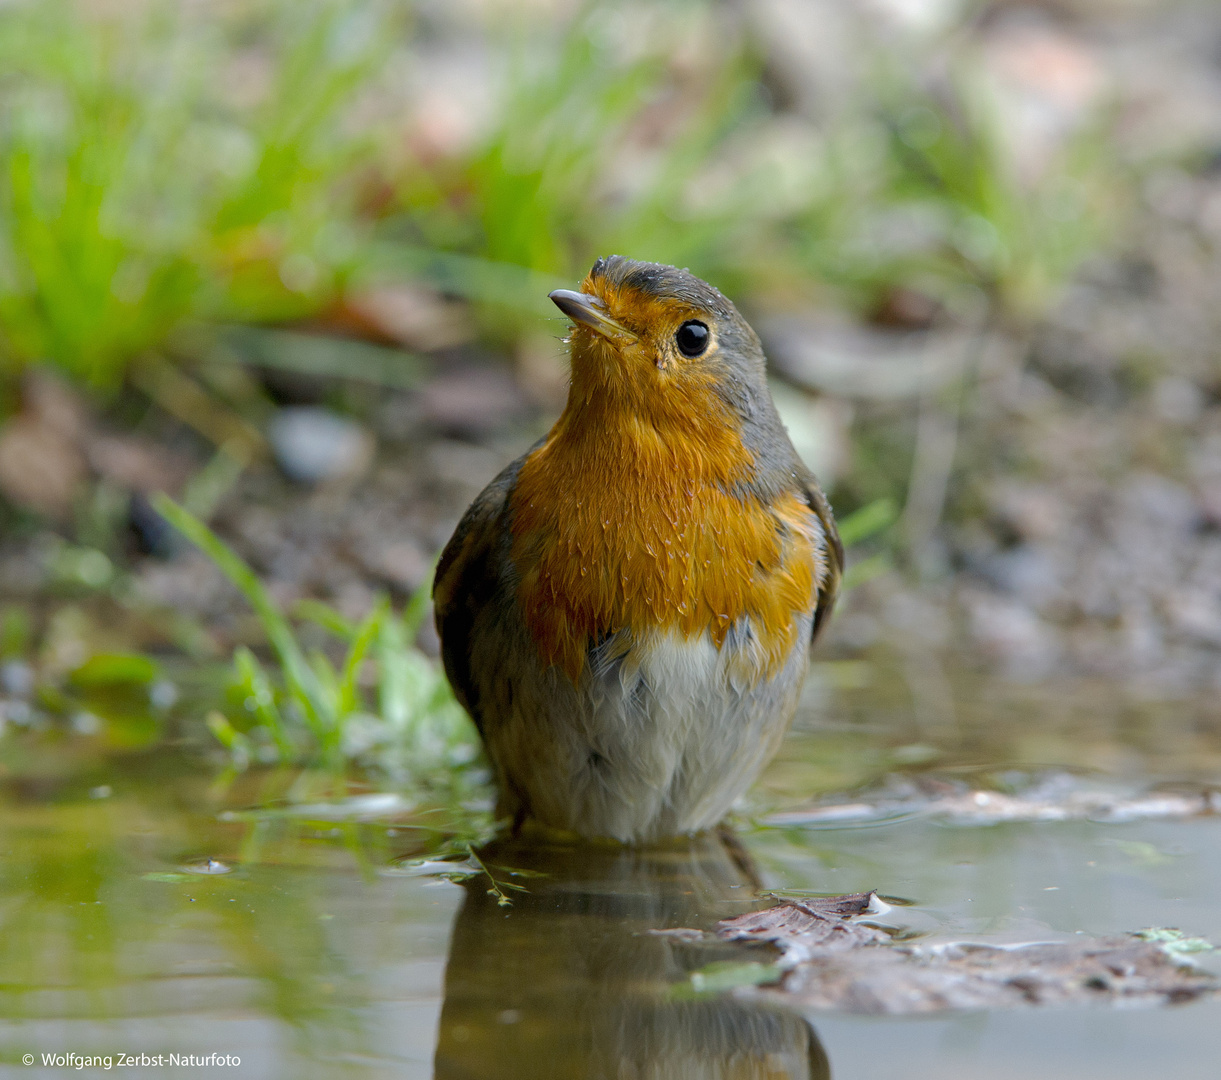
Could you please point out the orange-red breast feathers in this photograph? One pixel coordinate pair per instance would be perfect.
(642, 510)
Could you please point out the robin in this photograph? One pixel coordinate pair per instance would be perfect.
(626, 611)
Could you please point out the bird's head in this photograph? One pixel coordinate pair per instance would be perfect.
(655, 345)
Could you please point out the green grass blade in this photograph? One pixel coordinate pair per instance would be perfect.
(258, 686)
(867, 570)
(327, 617)
(232, 740)
(349, 692)
(394, 675)
(868, 521)
(302, 683)
(328, 690)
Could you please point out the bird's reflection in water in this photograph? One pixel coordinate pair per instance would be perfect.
(568, 983)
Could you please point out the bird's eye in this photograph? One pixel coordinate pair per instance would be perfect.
(692, 338)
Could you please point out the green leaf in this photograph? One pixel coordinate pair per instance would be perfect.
(16, 631)
(107, 669)
(868, 521)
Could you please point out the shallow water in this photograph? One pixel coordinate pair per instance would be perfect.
(320, 952)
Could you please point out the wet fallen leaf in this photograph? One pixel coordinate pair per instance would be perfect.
(829, 961)
(898, 979)
(801, 928)
(843, 906)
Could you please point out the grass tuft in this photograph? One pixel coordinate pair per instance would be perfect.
(385, 706)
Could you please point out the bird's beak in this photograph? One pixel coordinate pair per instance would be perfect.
(583, 308)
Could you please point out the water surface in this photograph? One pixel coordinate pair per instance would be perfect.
(321, 948)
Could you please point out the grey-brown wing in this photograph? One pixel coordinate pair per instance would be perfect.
(835, 555)
(471, 574)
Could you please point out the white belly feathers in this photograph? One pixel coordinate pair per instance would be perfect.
(660, 737)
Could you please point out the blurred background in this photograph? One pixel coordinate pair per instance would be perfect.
(288, 263)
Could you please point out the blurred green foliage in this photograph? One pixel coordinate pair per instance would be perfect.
(564, 175)
(921, 187)
(173, 162)
(141, 184)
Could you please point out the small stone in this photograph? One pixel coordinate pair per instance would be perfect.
(17, 678)
(163, 694)
(16, 712)
(86, 723)
(313, 444)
